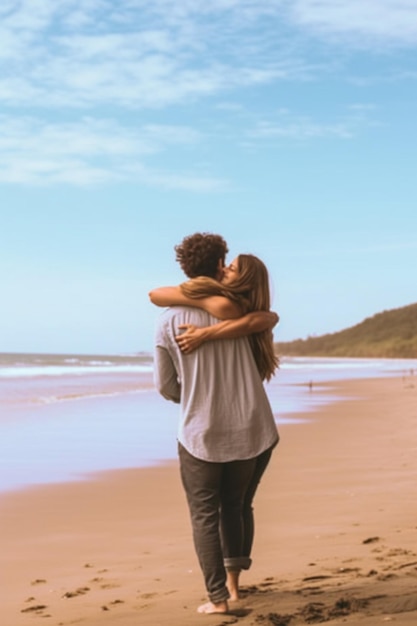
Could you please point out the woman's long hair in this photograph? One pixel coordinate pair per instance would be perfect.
(250, 290)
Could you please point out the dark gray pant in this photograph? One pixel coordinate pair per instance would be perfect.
(220, 497)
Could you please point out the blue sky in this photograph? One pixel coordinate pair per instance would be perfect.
(288, 127)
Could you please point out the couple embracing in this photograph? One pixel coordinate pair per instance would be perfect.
(213, 351)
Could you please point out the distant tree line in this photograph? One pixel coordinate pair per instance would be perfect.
(390, 334)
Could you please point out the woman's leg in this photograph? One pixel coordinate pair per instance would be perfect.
(232, 583)
(202, 484)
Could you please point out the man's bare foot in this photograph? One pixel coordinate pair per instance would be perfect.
(210, 608)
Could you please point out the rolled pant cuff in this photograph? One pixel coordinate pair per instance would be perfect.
(219, 596)
(237, 562)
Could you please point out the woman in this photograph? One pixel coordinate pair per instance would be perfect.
(241, 298)
(244, 292)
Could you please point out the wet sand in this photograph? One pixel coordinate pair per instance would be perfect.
(336, 536)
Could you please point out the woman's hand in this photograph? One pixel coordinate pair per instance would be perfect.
(191, 338)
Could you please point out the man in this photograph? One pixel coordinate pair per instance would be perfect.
(226, 431)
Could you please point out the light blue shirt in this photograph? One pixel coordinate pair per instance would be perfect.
(225, 412)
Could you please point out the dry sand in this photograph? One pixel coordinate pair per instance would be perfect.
(336, 532)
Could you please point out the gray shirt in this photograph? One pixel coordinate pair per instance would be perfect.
(225, 412)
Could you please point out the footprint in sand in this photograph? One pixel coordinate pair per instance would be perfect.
(37, 608)
(105, 585)
(398, 552)
(78, 592)
(388, 576)
(267, 584)
(319, 612)
(275, 619)
(112, 603)
(372, 572)
(371, 540)
(411, 564)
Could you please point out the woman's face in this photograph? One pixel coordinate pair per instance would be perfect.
(230, 273)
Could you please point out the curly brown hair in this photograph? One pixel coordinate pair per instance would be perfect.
(199, 254)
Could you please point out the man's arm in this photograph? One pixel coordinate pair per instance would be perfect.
(255, 322)
(165, 375)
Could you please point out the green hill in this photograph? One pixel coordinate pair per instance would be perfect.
(390, 334)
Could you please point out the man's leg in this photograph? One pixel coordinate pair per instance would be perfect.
(201, 481)
(237, 477)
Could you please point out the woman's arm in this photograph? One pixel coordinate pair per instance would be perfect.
(254, 322)
(219, 306)
(168, 296)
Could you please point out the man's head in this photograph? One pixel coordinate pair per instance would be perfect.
(202, 254)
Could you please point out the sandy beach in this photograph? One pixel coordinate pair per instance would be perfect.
(336, 537)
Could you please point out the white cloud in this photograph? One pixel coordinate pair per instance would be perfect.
(302, 129)
(141, 54)
(98, 59)
(93, 151)
(183, 181)
(292, 126)
(153, 53)
(364, 22)
(137, 54)
(85, 138)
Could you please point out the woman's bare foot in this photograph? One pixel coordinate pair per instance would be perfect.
(210, 607)
(234, 596)
(232, 584)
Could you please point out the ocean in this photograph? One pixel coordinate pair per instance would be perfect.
(63, 417)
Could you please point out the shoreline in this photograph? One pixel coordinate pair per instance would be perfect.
(335, 521)
(77, 427)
